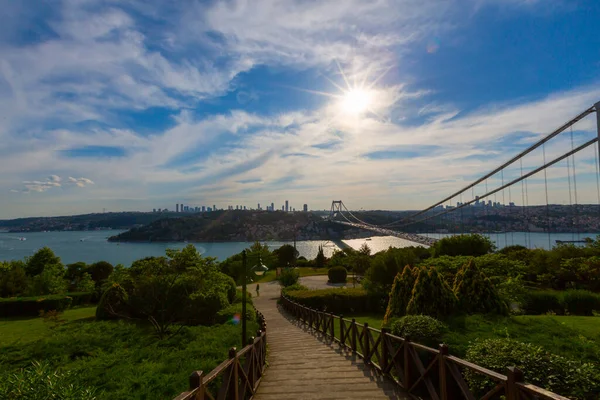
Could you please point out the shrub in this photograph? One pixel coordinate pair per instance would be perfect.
(294, 287)
(539, 302)
(31, 306)
(431, 295)
(463, 245)
(552, 372)
(579, 302)
(475, 293)
(81, 298)
(288, 277)
(227, 314)
(112, 303)
(320, 259)
(42, 382)
(100, 271)
(40, 260)
(337, 301)
(337, 274)
(13, 279)
(420, 328)
(386, 265)
(238, 297)
(400, 294)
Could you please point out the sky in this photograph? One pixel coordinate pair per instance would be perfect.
(386, 104)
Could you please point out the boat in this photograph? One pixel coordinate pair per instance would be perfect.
(368, 239)
(22, 238)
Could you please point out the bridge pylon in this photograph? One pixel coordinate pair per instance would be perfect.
(336, 207)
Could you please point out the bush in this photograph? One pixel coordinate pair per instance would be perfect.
(337, 301)
(539, 302)
(226, 315)
(13, 278)
(400, 294)
(552, 372)
(81, 298)
(337, 274)
(288, 277)
(31, 306)
(386, 265)
(475, 293)
(431, 295)
(463, 245)
(579, 302)
(112, 303)
(422, 329)
(41, 382)
(294, 287)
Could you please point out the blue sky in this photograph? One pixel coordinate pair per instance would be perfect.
(134, 105)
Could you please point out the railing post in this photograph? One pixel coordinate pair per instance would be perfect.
(514, 375)
(353, 330)
(331, 327)
(384, 354)
(235, 378)
(366, 343)
(442, 374)
(406, 363)
(342, 339)
(196, 383)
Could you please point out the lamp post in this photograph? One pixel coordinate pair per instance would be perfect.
(259, 270)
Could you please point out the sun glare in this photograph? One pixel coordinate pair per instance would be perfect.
(356, 101)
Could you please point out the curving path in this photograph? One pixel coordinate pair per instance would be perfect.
(302, 366)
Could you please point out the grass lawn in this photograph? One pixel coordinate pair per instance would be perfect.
(570, 336)
(121, 359)
(269, 276)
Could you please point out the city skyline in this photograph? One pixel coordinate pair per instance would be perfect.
(143, 105)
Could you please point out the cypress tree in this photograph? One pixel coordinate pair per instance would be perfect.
(476, 293)
(431, 295)
(400, 294)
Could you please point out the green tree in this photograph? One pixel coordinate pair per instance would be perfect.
(431, 295)
(475, 293)
(320, 259)
(400, 294)
(42, 258)
(362, 260)
(100, 271)
(385, 266)
(50, 281)
(286, 255)
(463, 245)
(13, 279)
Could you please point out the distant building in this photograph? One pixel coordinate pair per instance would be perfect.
(286, 206)
(176, 207)
(237, 207)
(258, 206)
(214, 208)
(282, 208)
(305, 208)
(154, 210)
(244, 208)
(272, 206)
(203, 208)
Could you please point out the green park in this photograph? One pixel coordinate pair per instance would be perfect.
(98, 331)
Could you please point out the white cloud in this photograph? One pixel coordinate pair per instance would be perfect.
(81, 182)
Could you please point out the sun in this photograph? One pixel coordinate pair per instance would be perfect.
(356, 101)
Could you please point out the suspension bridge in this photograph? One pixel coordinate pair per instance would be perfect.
(551, 186)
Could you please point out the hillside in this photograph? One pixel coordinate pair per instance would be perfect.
(84, 222)
(224, 226)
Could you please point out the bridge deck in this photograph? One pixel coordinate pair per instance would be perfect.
(303, 366)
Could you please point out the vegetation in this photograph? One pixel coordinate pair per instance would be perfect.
(337, 275)
(116, 359)
(431, 295)
(475, 293)
(420, 328)
(400, 294)
(337, 301)
(288, 277)
(568, 377)
(463, 245)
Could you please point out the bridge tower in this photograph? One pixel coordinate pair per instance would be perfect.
(336, 207)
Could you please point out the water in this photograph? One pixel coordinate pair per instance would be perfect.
(92, 246)
(528, 239)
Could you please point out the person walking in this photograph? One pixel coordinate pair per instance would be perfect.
(257, 290)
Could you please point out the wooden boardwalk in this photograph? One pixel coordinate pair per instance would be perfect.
(304, 366)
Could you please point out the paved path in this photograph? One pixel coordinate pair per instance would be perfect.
(303, 366)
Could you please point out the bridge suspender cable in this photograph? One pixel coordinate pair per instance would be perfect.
(517, 180)
(512, 160)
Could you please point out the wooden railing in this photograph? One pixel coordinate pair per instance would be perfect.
(235, 378)
(421, 371)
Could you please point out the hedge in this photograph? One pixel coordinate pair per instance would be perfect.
(337, 274)
(337, 301)
(83, 298)
(31, 306)
(572, 302)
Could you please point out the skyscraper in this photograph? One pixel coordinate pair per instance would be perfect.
(176, 207)
(258, 207)
(286, 206)
(305, 208)
(203, 208)
(214, 208)
(272, 206)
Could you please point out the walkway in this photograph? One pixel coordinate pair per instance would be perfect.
(302, 366)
